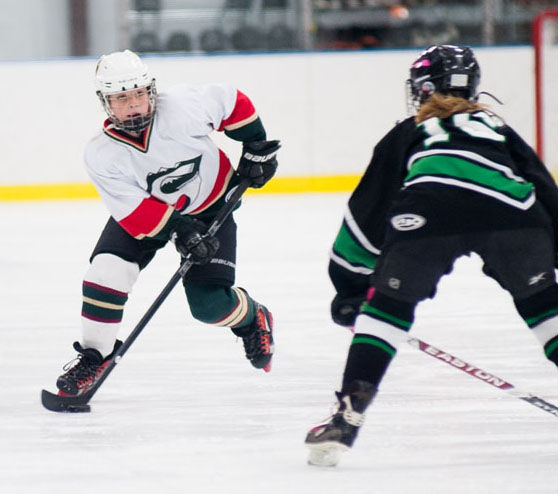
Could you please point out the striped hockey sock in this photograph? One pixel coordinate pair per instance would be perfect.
(540, 313)
(105, 290)
(102, 304)
(380, 327)
(220, 305)
(243, 311)
(102, 313)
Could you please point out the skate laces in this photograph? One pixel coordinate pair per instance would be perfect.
(73, 363)
(334, 408)
(252, 343)
(342, 407)
(81, 372)
(257, 342)
(350, 415)
(81, 367)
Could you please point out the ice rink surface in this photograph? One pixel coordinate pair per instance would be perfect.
(184, 412)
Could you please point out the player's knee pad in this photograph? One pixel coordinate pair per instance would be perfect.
(111, 271)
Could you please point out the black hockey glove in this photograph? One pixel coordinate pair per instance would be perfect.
(189, 237)
(258, 162)
(344, 310)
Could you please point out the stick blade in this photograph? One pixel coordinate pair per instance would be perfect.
(65, 404)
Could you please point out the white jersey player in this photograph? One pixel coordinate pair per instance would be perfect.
(161, 176)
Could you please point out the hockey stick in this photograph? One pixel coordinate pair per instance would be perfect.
(474, 371)
(64, 403)
(483, 375)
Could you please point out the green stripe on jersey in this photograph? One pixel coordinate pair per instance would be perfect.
(352, 251)
(450, 166)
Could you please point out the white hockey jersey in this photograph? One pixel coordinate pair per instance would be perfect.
(174, 164)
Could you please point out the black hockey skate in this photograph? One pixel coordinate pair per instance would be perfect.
(84, 371)
(257, 338)
(327, 441)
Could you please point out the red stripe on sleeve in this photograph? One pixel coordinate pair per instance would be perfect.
(145, 218)
(242, 110)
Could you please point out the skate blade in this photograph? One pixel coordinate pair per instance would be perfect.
(325, 454)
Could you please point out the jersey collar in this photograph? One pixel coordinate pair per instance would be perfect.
(141, 143)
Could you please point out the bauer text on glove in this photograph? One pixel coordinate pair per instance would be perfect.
(258, 161)
(190, 237)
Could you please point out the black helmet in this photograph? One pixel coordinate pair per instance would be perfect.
(447, 69)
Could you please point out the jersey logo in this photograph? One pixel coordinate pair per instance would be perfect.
(407, 221)
(182, 180)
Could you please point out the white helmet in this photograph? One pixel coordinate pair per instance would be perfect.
(123, 71)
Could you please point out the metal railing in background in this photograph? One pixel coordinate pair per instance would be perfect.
(269, 25)
(93, 27)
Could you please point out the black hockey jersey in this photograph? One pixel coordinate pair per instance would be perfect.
(471, 151)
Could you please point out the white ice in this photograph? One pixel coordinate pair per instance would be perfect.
(184, 412)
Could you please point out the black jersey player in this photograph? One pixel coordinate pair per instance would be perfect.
(451, 180)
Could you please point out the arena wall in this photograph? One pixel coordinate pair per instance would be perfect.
(328, 109)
